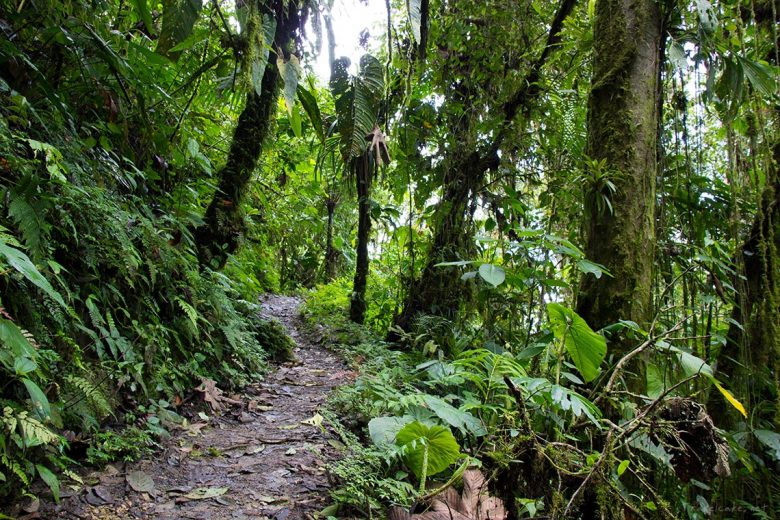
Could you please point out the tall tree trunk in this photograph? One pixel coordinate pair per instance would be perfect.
(224, 225)
(357, 307)
(622, 132)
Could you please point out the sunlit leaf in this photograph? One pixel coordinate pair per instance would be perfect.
(492, 274)
(586, 348)
(731, 399)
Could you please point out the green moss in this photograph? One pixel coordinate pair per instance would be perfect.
(272, 335)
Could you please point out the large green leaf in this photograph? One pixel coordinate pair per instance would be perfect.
(18, 346)
(761, 76)
(24, 265)
(41, 404)
(142, 9)
(179, 17)
(769, 439)
(383, 430)
(309, 104)
(258, 65)
(291, 72)
(50, 479)
(586, 348)
(453, 416)
(492, 274)
(438, 442)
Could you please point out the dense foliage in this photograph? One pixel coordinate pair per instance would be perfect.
(545, 233)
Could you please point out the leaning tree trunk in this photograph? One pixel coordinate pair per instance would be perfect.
(622, 132)
(224, 225)
(439, 290)
(357, 307)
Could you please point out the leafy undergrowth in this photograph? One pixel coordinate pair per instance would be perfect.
(549, 443)
(106, 317)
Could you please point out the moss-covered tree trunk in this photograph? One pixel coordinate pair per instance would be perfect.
(622, 132)
(750, 360)
(363, 171)
(224, 225)
(439, 290)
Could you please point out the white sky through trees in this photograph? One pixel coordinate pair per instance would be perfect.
(350, 18)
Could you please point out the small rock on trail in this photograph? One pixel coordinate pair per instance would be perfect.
(264, 458)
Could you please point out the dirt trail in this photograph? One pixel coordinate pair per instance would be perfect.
(270, 461)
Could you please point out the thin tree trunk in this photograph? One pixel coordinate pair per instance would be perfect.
(357, 307)
(330, 252)
(622, 131)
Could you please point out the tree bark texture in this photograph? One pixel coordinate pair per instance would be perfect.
(363, 171)
(224, 225)
(622, 131)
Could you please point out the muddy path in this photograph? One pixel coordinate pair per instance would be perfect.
(262, 456)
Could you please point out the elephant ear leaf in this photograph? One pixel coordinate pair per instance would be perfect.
(586, 348)
(427, 450)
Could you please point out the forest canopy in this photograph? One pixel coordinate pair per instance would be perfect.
(545, 233)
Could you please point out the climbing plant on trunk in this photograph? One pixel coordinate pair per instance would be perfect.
(467, 159)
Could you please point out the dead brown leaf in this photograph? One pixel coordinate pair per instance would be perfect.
(213, 395)
(474, 503)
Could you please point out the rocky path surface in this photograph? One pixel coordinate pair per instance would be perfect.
(262, 457)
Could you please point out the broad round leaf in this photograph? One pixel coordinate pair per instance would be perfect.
(443, 449)
(384, 429)
(492, 274)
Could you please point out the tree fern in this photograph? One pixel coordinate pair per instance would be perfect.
(357, 99)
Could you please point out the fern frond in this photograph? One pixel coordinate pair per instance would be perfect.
(27, 215)
(189, 310)
(15, 468)
(92, 393)
(35, 433)
(94, 312)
